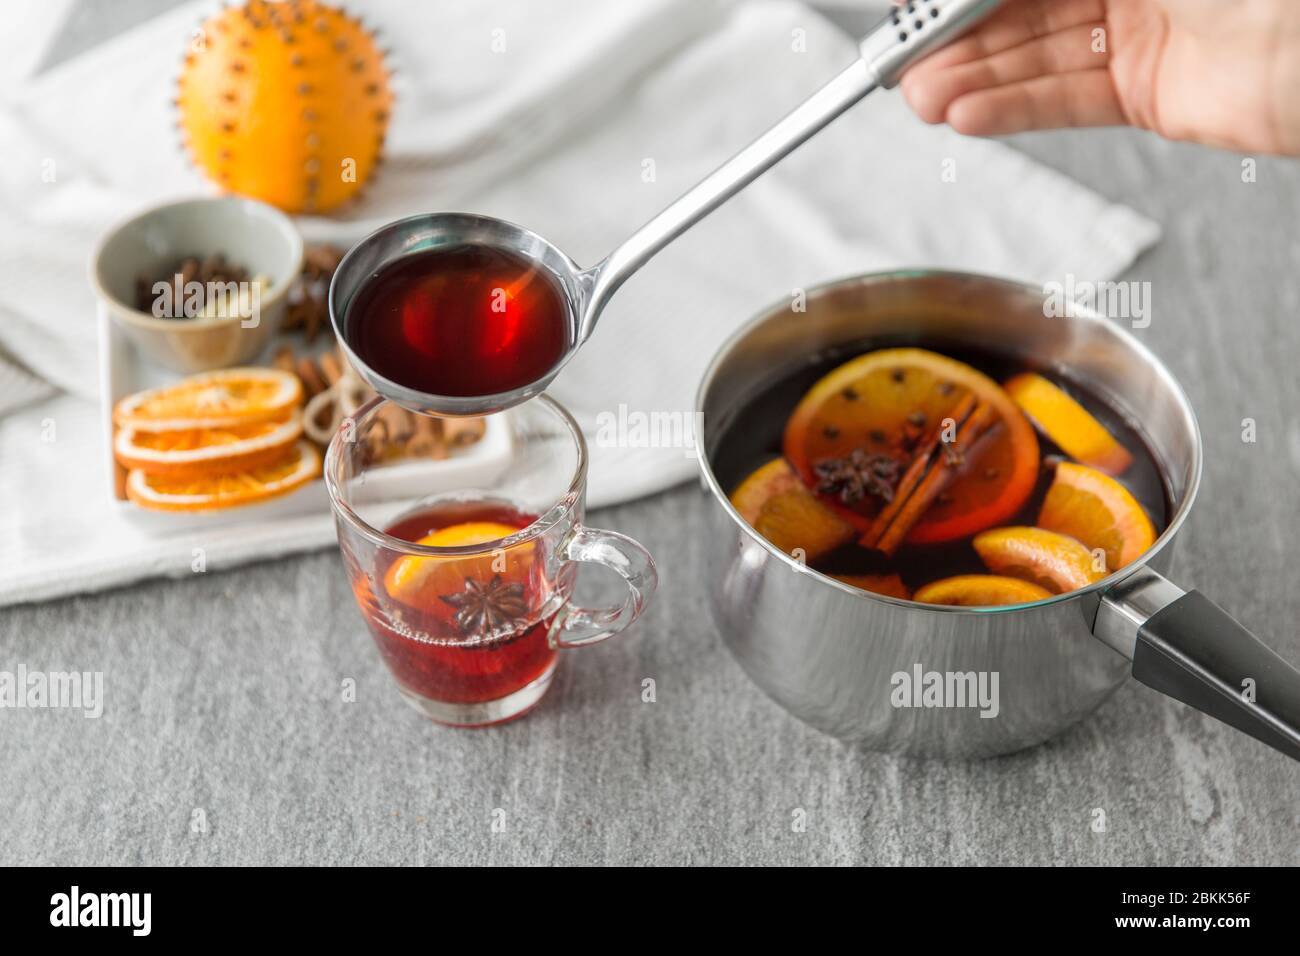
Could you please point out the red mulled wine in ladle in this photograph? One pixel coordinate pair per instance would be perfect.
(461, 321)
(459, 314)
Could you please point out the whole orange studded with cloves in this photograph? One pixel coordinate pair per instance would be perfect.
(287, 102)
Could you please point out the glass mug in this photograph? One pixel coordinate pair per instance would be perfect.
(464, 570)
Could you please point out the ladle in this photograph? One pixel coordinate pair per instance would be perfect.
(910, 32)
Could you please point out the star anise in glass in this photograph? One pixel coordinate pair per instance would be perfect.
(483, 608)
(858, 474)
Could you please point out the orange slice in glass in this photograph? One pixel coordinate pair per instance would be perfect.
(980, 590)
(206, 451)
(209, 492)
(419, 580)
(1068, 423)
(1054, 561)
(233, 396)
(781, 508)
(1098, 511)
(880, 403)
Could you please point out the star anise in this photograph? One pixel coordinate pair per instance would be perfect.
(483, 608)
(858, 474)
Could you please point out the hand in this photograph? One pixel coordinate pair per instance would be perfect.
(1220, 72)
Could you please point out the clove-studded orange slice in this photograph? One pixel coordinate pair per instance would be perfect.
(885, 406)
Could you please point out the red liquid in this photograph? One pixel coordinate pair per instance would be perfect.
(435, 659)
(462, 321)
(755, 434)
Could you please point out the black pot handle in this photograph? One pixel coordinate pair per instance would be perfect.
(1187, 647)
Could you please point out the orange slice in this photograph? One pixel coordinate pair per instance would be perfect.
(233, 396)
(1068, 423)
(1054, 561)
(210, 492)
(880, 402)
(779, 507)
(1097, 510)
(420, 580)
(980, 590)
(888, 584)
(185, 453)
(467, 533)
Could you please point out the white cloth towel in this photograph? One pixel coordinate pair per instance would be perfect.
(580, 118)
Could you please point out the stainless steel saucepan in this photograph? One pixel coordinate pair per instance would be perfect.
(835, 656)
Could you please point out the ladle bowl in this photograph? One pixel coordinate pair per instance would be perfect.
(448, 230)
(905, 36)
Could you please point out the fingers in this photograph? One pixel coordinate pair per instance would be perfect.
(1015, 23)
(1045, 102)
(932, 91)
(1029, 66)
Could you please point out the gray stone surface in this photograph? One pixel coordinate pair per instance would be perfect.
(224, 691)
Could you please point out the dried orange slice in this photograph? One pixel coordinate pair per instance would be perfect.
(233, 396)
(782, 509)
(210, 492)
(1097, 510)
(880, 402)
(888, 584)
(184, 453)
(1049, 559)
(419, 580)
(1068, 423)
(980, 590)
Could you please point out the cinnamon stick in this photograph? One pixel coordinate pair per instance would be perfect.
(916, 470)
(313, 382)
(331, 368)
(284, 360)
(941, 468)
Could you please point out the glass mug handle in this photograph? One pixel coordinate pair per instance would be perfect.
(580, 626)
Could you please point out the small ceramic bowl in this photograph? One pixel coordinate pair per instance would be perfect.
(248, 233)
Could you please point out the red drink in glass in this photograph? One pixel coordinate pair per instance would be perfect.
(460, 630)
(467, 591)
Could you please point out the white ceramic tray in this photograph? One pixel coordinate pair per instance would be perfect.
(124, 370)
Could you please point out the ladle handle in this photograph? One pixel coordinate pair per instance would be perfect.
(905, 36)
(1188, 648)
